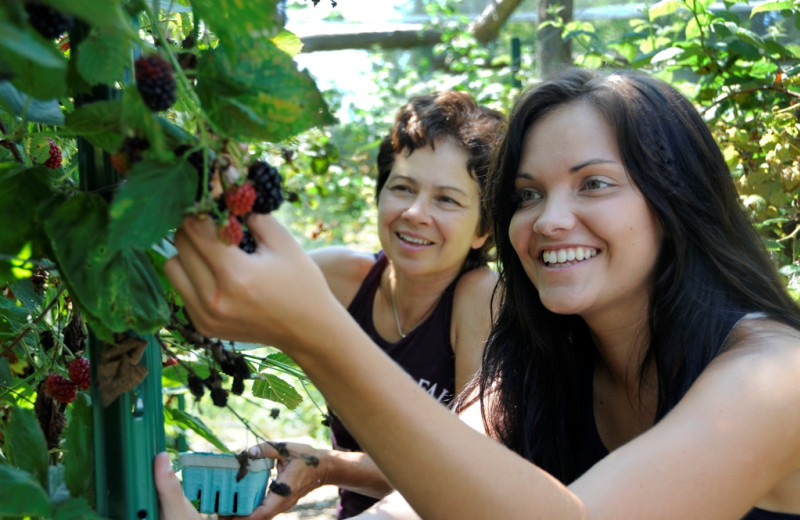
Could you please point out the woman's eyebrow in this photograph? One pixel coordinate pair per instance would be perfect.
(589, 163)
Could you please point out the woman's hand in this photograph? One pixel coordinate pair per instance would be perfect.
(172, 503)
(299, 473)
(268, 296)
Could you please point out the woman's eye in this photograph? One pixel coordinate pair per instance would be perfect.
(526, 195)
(596, 184)
(400, 187)
(448, 200)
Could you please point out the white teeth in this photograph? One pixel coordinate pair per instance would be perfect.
(570, 254)
(414, 240)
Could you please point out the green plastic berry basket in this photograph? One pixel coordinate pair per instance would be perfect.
(210, 480)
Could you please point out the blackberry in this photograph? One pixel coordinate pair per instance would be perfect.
(54, 161)
(47, 340)
(280, 488)
(231, 232)
(47, 21)
(79, 372)
(239, 199)
(267, 182)
(196, 159)
(155, 81)
(60, 388)
(129, 153)
(275, 413)
(238, 386)
(196, 385)
(248, 243)
(242, 369)
(219, 396)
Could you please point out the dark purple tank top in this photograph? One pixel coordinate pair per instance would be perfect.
(425, 353)
(593, 448)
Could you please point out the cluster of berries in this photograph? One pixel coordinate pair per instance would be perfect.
(155, 81)
(259, 193)
(65, 390)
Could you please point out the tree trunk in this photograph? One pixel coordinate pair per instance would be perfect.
(552, 52)
(485, 29)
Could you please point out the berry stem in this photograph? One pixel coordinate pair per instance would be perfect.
(11, 145)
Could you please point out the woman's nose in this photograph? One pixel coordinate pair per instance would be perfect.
(419, 210)
(556, 215)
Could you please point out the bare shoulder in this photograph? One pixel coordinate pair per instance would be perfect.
(478, 282)
(344, 269)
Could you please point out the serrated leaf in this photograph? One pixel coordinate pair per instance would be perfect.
(151, 202)
(282, 362)
(119, 290)
(33, 110)
(103, 56)
(28, 46)
(21, 495)
(227, 18)
(288, 42)
(260, 94)
(25, 445)
(272, 387)
(99, 123)
(79, 455)
(37, 67)
(187, 421)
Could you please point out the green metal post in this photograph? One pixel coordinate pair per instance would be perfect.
(130, 431)
(516, 61)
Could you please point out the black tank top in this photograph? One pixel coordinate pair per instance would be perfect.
(425, 353)
(593, 448)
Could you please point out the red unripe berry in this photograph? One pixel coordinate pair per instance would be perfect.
(240, 199)
(54, 161)
(79, 373)
(60, 388)
(231, 233)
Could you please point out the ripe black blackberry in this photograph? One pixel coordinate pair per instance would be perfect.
(155, 81)
(196, 385)
(267, 182)
(47, 21)
(248, 243)
(219, 396)
(237, 387)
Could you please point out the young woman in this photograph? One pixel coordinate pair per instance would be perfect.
(645, 363)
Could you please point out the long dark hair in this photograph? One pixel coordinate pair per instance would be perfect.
(712, 267)
(426, 119)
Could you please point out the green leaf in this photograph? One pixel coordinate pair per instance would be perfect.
(33, 110)
(272, 387)
(151, 202)
(282, 362)
(25, 445)
(772, 6)
(103, 56)
(107, 13)
(229, 18)
(187, 421)
(76, 509)
(21, 191)
(664, 8)
(21, 495)
(79, 455)
(99, 123)
(118, 289)
(37, 67)
(260, 94)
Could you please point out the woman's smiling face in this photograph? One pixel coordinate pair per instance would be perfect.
(583, 231)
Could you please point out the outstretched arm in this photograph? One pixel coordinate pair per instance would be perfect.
(732, 440)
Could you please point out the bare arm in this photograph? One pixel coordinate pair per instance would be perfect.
(472, 321)
(739, 440)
